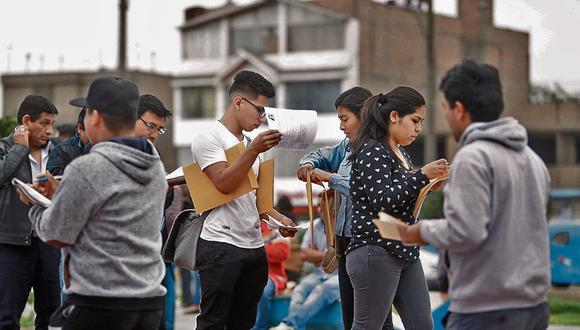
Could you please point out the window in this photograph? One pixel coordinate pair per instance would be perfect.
(316, 37)
(198, 102)
(313, 95)
(562, 238)
(544, 146)
(258, 40)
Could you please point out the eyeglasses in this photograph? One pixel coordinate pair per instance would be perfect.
(152, 127)
(261, 110)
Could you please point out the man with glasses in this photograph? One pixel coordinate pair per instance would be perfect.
(152, 115)
(151, 119)
(231, 258)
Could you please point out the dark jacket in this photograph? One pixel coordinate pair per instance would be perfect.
(15, 227)
(63, 154)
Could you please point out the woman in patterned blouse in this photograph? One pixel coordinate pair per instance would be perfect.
(385, 272)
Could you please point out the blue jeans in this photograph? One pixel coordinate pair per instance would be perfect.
(265, 306)
(531, 318)
(169, 312)
(315, 291)
(190, 286)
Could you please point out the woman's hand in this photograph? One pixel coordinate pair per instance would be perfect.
(436, 169)
(320, 175)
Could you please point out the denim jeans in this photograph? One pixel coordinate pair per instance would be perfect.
(316, 291)
(23, 268)
(190, 286)
(381, 280)
(531, 318)
(169, 311)
(265, 307)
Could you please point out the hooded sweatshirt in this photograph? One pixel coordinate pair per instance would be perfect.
(495, 227)
(108, 209)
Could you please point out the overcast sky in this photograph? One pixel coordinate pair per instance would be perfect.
(81, 34)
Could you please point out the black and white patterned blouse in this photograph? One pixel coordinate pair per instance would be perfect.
(380, 182)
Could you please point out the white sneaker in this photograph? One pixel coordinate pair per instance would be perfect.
(282, 326)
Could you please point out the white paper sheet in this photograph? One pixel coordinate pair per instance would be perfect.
(34, 196)
(298, 127)
(175, 174)
(275, 224)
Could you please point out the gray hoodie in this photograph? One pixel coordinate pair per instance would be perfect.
(108, 208)
(495, 227)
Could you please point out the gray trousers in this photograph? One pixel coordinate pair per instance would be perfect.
(380, 280)
(531, 318)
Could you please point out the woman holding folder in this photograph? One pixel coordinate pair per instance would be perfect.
(331, 164)
(385, 271)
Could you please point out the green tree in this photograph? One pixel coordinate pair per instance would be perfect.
(7, 125)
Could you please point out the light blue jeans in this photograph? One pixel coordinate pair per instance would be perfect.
(315, 291)
(265, 306)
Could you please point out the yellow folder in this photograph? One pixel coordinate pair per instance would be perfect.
(205, 195)
(265, 192)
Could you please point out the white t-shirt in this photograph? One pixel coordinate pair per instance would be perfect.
(236, 222)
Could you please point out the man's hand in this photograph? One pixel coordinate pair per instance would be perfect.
(46, 184)
(21, 135)
(265, 140)
(410, 234)
(23, 198)
(287, 232)
(303, 171)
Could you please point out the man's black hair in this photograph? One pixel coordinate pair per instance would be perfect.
(252, 84)
(34, 106)
(148, 102)
(477, 86)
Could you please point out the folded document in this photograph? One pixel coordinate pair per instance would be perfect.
(34, 196)
(275, 224)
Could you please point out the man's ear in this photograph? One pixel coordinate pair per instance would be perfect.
(26, 120)
(462, 113)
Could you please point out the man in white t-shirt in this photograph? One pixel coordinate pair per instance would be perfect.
(231, 258)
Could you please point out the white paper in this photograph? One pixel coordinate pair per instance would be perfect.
(175, 174)
(298, 127)
(34, 196)
(275, 224)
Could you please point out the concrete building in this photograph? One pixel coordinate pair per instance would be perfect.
(313, 50)
(61, 87)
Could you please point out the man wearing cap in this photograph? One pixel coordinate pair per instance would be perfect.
(25, 261)
(113, 266)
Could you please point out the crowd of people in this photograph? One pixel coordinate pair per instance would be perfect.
(93, 257)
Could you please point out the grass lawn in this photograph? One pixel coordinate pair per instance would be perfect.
(564, 311)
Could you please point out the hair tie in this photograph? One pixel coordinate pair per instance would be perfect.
(382, 98)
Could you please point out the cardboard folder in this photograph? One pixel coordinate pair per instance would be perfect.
(265, 192)
(205, 195)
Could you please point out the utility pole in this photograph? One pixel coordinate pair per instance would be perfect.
(430, 138)
(122, 60)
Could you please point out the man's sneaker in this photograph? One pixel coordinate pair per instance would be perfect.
(282, 326)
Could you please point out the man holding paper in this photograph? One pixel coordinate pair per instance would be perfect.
(495, 229)
(231, 259)
(25, 261)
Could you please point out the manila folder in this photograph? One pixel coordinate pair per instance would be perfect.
(205, 195)
(265, 192)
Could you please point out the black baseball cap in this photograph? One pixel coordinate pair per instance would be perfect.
(113, 96)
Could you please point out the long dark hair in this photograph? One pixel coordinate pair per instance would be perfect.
(376, 111)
